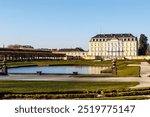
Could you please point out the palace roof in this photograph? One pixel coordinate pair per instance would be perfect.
(113, 35)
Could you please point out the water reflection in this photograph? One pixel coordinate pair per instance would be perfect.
(96, 69)
(59, 69)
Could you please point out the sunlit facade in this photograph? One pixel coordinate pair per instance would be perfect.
(113, 45)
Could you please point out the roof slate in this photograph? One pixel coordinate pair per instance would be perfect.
(113, 35)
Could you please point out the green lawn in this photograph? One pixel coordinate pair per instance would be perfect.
(129, 71)
(60, 63)
(75, 62)
(50, 86)
(19, 64)
(124, 70)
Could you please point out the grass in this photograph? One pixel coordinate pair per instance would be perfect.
(124, 70)
(122, 62)
(60, 63)
(81, 63)
(58, 89)
(19, 64)
(45, 86)
(129, 71)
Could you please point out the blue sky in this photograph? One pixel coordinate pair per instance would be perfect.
(70, 23)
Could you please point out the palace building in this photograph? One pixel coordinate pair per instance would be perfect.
(72, 53)
(113, 45)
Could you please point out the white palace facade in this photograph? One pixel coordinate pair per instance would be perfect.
(113, 45)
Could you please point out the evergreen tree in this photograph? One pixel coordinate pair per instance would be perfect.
(142, 44)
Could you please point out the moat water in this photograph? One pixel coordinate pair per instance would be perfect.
(59, 69)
